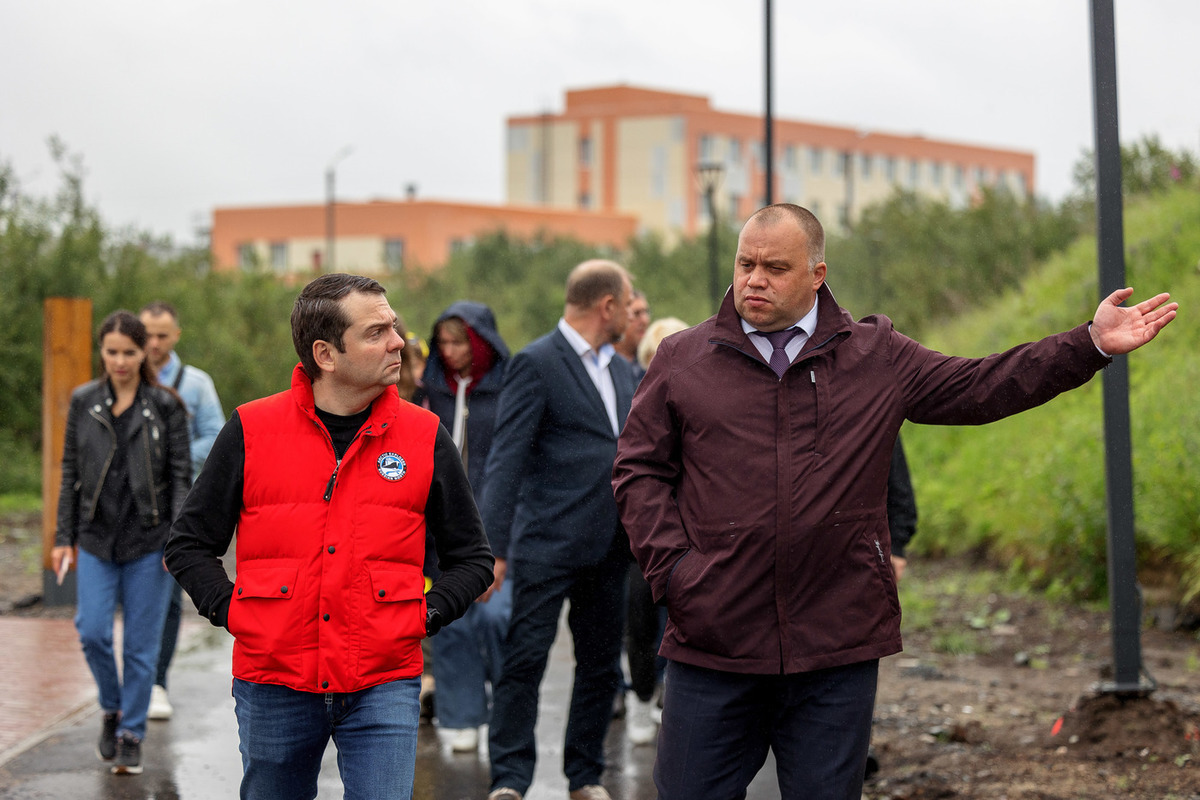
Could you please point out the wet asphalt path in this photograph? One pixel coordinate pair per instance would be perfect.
(194, 756)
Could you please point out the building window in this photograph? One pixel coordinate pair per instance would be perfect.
(518, 140)
(789, 157)
(735, 205)
(839, 164)
(935, 173)
(585, 200)
(585, 152)
(816, 160)
(960, 177)
(658, 172)
(246, 256)
(889, 169)
(914, 173)
(393, 254)
(459, 244)
(706, 147)
(866, 162)
(735, 150)
(279, 257)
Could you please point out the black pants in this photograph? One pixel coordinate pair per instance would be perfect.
(643, 635)
(718, 727)
(596, 617)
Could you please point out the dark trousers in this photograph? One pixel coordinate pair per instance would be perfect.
(596, 594)
(643, 635)
(718, 727)
(170, 634)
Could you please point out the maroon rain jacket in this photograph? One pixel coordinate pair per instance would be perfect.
(756, 506)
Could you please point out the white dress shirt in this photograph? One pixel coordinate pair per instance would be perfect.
(807, 326)
(596, 364)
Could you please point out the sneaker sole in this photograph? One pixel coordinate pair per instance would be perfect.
(125, 770)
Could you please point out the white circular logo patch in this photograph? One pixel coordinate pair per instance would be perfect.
(391, 466)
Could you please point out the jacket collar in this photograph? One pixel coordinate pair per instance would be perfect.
(384, 408)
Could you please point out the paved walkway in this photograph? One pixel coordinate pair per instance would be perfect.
(47, 680)
(49, 721)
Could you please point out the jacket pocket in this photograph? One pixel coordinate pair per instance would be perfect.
(264, 618)
(393, 619)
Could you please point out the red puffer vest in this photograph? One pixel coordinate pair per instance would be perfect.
(329, 591)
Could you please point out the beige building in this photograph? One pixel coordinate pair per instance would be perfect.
(622, 149)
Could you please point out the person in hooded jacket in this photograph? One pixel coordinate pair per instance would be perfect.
(462, 382)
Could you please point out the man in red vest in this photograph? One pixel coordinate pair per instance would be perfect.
(331, 487)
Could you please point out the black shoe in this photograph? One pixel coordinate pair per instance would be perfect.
(129, 755)
(872, 764)
(106, 748)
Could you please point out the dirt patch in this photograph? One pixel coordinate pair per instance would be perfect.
(1018, 710)
(994, 697)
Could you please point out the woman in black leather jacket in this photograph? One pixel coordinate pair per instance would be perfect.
(126, 468)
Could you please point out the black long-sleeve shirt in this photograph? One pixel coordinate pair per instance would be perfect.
(206, 525)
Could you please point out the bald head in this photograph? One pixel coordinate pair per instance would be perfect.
(782, 213)
(599, 293)
(593, 280)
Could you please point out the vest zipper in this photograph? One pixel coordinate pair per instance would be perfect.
(333, 478)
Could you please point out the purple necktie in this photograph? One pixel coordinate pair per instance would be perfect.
(779, 342)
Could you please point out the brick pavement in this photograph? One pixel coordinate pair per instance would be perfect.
(46, 679)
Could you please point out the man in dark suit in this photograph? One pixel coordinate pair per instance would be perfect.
(549, 510)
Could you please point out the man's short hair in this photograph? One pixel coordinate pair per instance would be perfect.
(156, 308)
(593, 280)
(318, 314)
(808, 222)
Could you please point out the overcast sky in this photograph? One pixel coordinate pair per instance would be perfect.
(180, 106)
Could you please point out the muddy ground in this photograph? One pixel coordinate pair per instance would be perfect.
(993, 697)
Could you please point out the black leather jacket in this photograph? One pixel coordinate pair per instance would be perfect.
(159, 462)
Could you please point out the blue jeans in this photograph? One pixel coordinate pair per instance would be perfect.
(141, 587)
(467, 657)
(283, 733)
(596, 593)
(718, 727)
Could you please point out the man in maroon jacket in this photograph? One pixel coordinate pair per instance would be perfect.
(751, 476)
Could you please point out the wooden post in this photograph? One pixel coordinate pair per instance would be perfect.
(66, 363)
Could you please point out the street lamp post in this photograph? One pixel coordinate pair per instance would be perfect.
(709, 173)
(330, 226)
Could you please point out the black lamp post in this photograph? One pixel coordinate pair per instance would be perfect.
(709, 173)
(329, 203)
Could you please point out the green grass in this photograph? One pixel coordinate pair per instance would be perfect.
(20, 503)
(1029, 491)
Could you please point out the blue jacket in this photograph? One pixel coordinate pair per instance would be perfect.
(547, 494)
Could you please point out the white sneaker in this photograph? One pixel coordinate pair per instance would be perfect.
(639, 720)
(160, 706)
(461, 740)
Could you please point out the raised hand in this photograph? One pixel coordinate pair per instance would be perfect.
(1119, 329)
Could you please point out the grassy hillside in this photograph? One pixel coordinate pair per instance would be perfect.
(1029, 491)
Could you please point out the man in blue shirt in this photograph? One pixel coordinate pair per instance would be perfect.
(205, 419)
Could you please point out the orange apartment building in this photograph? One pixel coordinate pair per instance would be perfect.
(623, 149)
(382, 237)
(618, 161)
